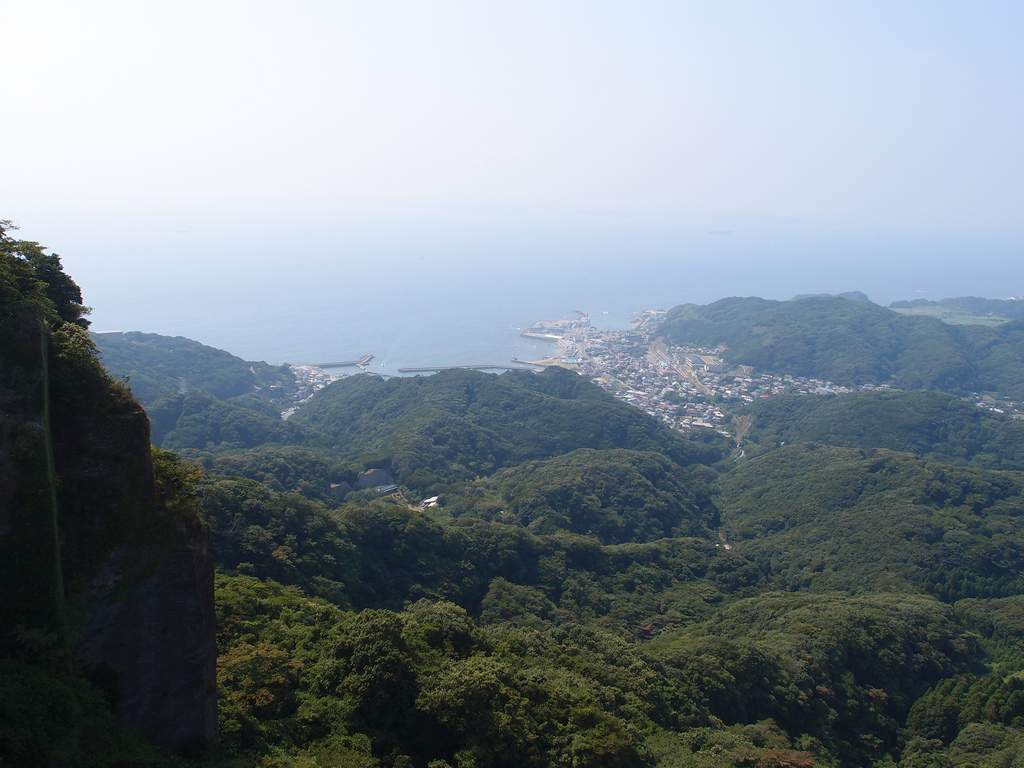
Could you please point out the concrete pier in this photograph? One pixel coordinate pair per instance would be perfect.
(361, 361)
(436, 368)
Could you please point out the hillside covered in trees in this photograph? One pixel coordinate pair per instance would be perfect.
(855, 342)
(933, 425)
(842, 586)
(1008, 309)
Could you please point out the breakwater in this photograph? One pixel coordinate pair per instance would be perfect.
(436, 368)
(341, 364)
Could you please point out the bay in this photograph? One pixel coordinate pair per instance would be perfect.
(460, 289)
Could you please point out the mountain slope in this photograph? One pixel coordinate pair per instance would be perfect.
(842, 518)
(933, 425)
(463, 424)
(619, 496)
(156, 364)
(855, 342)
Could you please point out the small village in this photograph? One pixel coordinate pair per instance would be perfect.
(687, 388)
(311, 379)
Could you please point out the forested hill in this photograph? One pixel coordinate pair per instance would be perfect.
(617, 496)
(839, 585)
(462, 424)
(823, 519)
(201, 399)
(933, 425)
(854, 342)
(156, 364)
(975, 305)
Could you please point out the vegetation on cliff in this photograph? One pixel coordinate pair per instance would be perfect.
(98, 551)
(592, 589)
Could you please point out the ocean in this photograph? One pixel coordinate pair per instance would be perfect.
(459, 290)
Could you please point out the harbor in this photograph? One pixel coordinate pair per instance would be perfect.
(568, 336)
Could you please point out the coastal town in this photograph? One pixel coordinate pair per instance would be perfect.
(310, 379)
(690, 389)
(687, 388)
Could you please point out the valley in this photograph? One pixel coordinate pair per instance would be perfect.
(680, 550)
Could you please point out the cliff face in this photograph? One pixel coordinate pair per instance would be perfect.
(99, 554)
(139, 577)
(149, 623)
(30, 573)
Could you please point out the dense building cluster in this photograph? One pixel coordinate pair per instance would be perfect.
(310, 379)
(692, 387)
(685, 387)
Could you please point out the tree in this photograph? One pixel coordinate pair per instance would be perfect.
(46, 267)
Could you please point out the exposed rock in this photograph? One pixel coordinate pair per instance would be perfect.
(91, 554)
(150, 627)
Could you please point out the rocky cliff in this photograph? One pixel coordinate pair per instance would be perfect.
(104, 562)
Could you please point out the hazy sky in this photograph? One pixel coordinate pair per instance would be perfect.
(128, 122)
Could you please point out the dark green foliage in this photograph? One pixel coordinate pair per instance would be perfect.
(286, 469)
(31, 278)
(404, 555)
(828, 337)
(838, 674)
(933, 425)
(1000, 622)
(1007, 308)
(998, 354)
(978, 745)
(381, 554)
(854, 342)
(560, 383)
(204, 401)
(61, 290)
(427, 684)
(21, 291)
(464, 424)
(617, 496)
(50, 718)
(281, 536)
(838, 518)
(195, 422)
(951, 705)
(158, 364)
(844, 670)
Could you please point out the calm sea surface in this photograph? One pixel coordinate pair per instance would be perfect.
(454, 294)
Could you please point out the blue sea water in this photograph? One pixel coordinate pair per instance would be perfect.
(458, 290)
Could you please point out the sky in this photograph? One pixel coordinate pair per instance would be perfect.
(149, 142)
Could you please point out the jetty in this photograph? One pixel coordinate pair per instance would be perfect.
(341, 364)
(436, 368)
